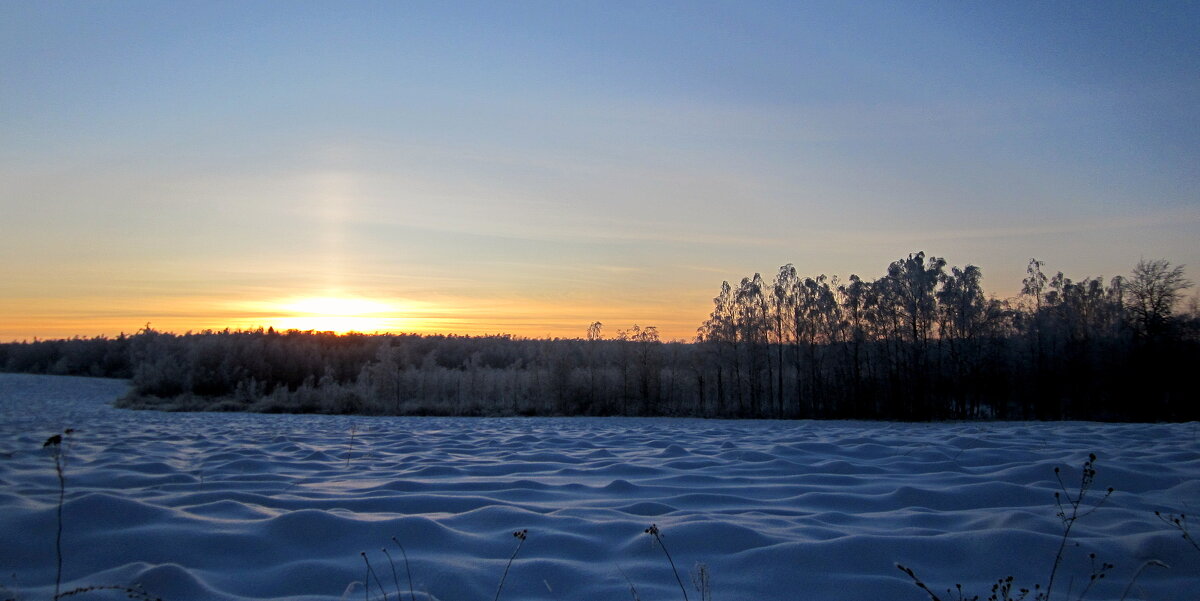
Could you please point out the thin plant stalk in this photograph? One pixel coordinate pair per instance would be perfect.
(367, 583)
(1068, 521)
(1070, 510)
(1098, 573)
(406, 569)
(55, 443)
(654, 531)
(62, 493)
(371, 573)
(520, 535)
(921, 585)
(632, 589)
(1146, 564)
(1179, 522)
(395, 578)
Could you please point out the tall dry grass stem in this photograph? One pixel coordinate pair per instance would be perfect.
(57, 447)
(395, 577)
(657, 534)
(632, 589)
(1138, 573)
(371, 574)
(1069, 513)
(520, 536)
(406, 568)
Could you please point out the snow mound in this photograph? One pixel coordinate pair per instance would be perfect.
(232, 507)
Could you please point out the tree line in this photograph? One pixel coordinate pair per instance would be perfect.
(923, 341)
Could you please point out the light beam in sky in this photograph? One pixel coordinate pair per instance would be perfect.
(338, 314)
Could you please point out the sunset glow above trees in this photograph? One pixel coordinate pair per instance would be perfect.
(531, 168)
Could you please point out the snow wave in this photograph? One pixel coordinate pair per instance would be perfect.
(241, 506)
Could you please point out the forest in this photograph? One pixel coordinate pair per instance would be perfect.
(921, 342)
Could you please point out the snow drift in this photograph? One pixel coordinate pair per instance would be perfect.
(246, 506)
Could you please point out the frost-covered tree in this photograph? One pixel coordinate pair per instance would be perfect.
(922, 341)
(1153, 291)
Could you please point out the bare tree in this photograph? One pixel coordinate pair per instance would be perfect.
(1153, 291)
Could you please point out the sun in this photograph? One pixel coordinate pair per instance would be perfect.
(336, 314)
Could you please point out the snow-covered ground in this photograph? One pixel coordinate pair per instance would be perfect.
(241, 506)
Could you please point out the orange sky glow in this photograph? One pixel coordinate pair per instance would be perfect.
(63, 318)
(530, 168)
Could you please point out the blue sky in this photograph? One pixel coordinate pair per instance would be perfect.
(531, 167)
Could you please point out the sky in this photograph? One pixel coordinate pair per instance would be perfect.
(532, 167)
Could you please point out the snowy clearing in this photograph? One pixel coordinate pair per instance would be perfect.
(247, 506)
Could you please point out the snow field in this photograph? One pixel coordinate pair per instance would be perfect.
(243, 506)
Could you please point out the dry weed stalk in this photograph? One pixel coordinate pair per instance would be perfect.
(1086, 478)
(350, 447)
(371, 574)
(520, 536)
(657, 534)
(58, 450)
(406, 569)
(1070, 509)
(632, 589)
(1179, 522)
(1145, 564)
